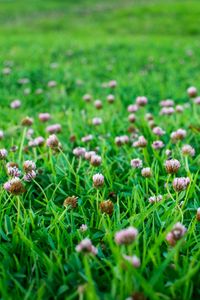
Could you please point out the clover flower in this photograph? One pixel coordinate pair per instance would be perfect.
(14, 186)
(192, 91)
(154, 199)
(157, 145)
(98, 180)
(110, 98)
(55, 128)
(177, 232)
(44, 117)
(146, 172)
(15, 104)
(3, 154)
(141, 100)
(133, 260)
(86, 246)
(136, 163)
(181, 183)
(172, 166)
(126, 236)
(95, 160)
(188, 150)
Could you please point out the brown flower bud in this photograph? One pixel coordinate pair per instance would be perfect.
(107, 207)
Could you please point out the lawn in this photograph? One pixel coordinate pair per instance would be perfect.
(99, 150)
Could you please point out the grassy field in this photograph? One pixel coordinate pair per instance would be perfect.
(150, 48)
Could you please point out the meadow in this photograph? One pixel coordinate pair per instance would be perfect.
(99, 150)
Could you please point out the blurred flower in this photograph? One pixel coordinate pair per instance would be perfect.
(79, 151)
(154, 199)
(188, 150)
(141, 100)
(133, 260)
(43, 117)
(126, 236)
(3, 153)
(55, 128)
(110, 98)
(177, 232)
(27, 121)
(192, 91)
(157, 145)
(15, 104)
(86, 246)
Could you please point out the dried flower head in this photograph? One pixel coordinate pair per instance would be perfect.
(27, 121)
(71, 202)
(14, 186)
(107, 207)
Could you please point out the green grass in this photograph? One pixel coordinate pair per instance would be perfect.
(151, 48)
